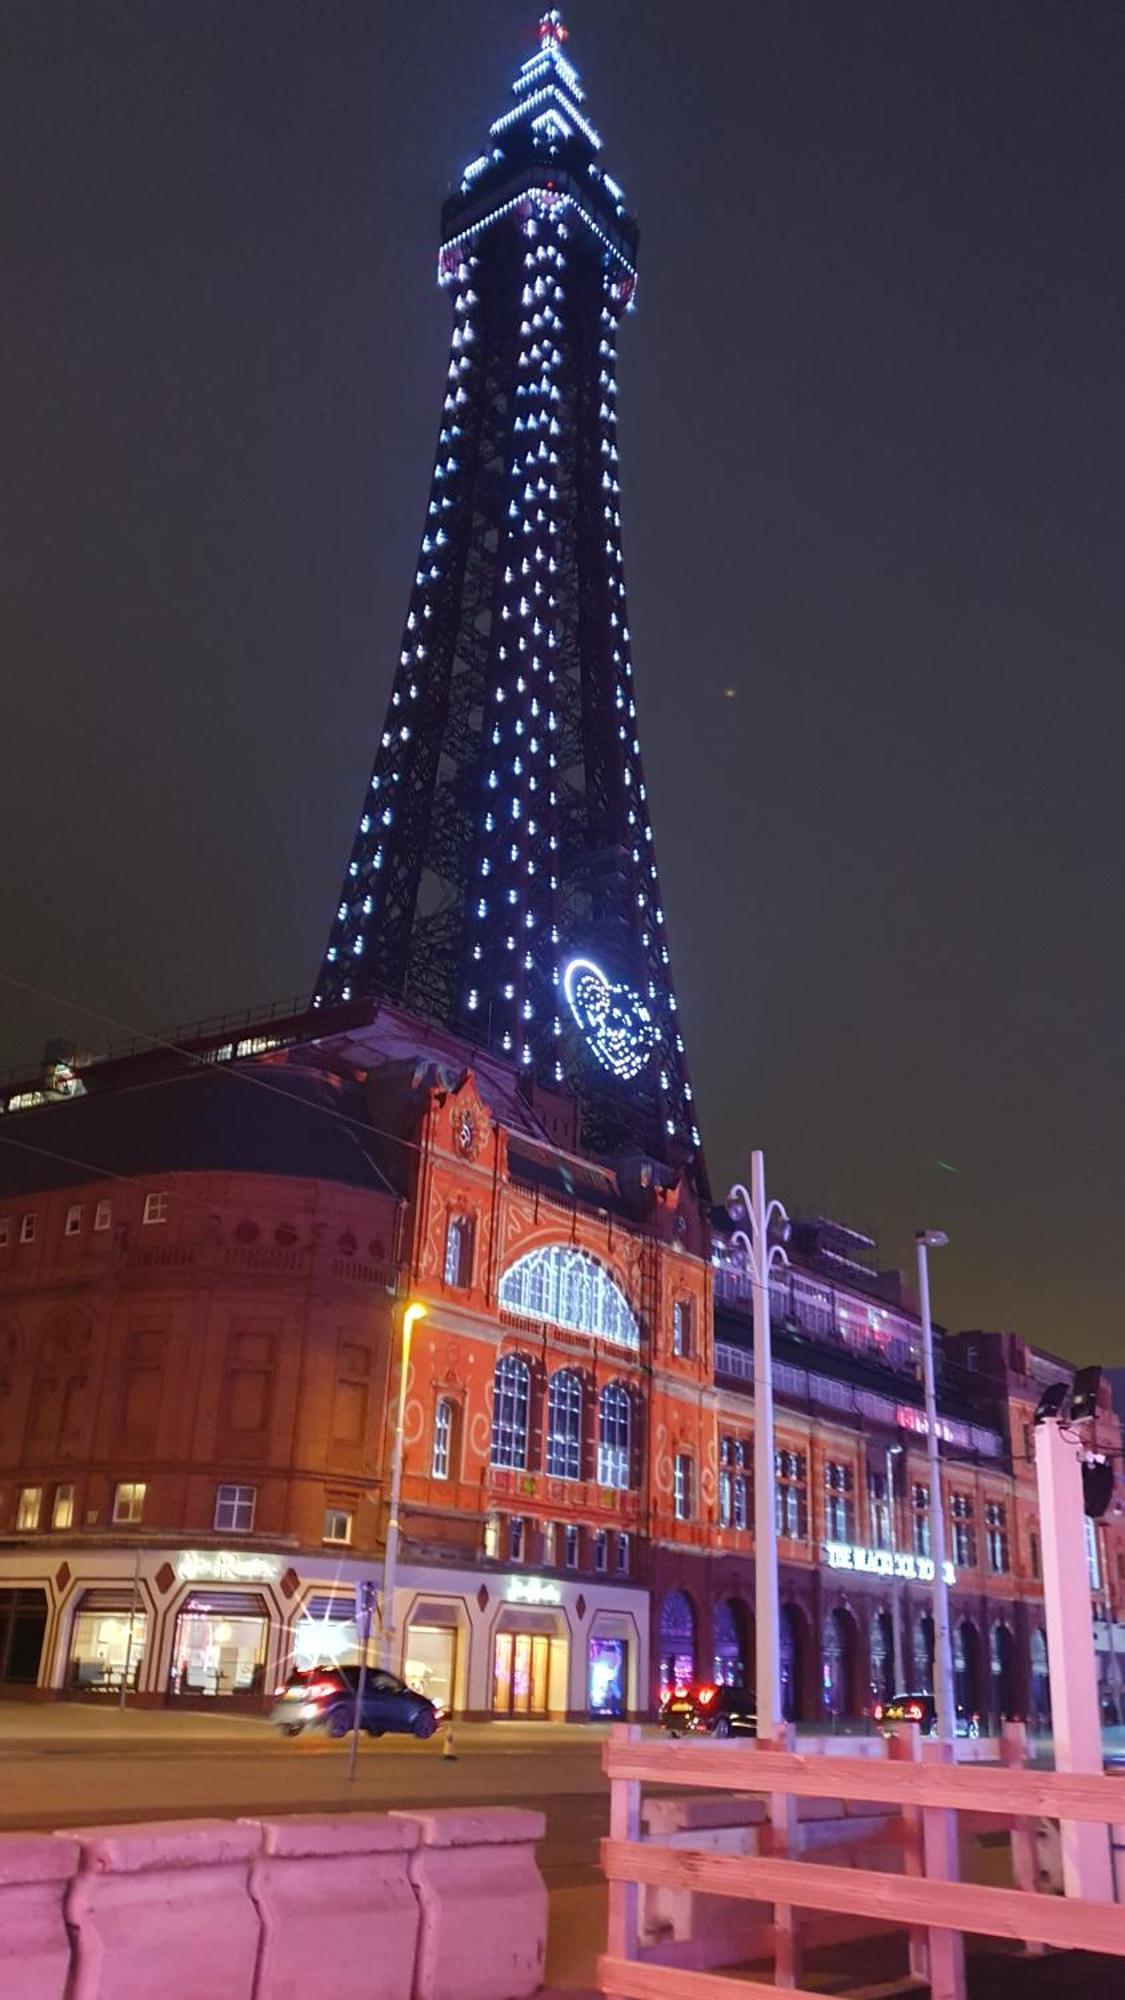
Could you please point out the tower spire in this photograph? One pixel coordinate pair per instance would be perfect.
(503, 876)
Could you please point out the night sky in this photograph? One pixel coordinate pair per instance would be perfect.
(874, 482)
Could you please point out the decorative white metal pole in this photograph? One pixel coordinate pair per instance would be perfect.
(945, 1699)
(760, 1258)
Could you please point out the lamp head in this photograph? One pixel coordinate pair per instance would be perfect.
(414, 1311)
(931, 1239)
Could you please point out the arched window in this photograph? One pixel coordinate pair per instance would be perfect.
(677, 1642)
(564, 1425)
(511, 1396)
(459, 1251)
(615, 1436)
(570, 1288)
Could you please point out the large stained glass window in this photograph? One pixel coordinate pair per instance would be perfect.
(570, 1288)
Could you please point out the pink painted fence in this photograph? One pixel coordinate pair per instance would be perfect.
(925, 1794)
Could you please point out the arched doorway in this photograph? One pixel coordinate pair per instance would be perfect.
(923, 1655)
(677, 1641)
(883, 1656)
(794, 1654)
(1002, 1659)
(1040, 1679)
(966, 1668)
(840, 1649)
(732, 1662)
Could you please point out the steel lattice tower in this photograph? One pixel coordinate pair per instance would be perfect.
(503, 877)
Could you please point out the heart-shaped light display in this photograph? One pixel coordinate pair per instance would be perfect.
(616, 1023)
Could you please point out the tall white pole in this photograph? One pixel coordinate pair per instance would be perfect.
(390, 1559)
(1075, 1721)
(944, 1695)
(766, 1598)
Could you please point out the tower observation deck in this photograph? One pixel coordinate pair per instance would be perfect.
(503, 876)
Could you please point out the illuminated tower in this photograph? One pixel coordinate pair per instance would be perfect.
(503, 877)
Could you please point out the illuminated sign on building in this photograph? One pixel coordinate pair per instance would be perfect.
(910, 1419)
(532, 1590)
(884, 1562)
(616, 1023)
(226, 1566)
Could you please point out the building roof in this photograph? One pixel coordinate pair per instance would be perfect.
(233, 1118)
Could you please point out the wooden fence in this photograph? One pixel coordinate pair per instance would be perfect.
(927, 1899)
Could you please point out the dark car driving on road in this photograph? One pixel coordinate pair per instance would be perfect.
(708, 1710)
(920, 1709)
(325, 1698)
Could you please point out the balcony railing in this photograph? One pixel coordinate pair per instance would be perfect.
(822, 1312)
(805, 1386)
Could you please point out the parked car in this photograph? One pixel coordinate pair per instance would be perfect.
(922, 1709)
(708, 1710)
(325, 1698)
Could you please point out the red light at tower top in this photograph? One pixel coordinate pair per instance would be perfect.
(552, 28)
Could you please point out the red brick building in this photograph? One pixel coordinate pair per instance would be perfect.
(203, 1263)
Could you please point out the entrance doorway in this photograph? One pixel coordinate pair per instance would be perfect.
(794, 1663)
(883, 1656)
(521, 1675)
(731, 1647)
(839, 1665)
(23, 1623)
(966, 1668)
(1002, 1655)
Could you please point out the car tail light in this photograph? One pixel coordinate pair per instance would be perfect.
(707, 1697)
(878, 1711)
(321, 1690)
(915, 1711)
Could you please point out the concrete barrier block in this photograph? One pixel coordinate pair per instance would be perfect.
(35, 1874)
(483, 1904)
(682, 1815)
(335, 1900)
(820, 1809)
(163, 1912)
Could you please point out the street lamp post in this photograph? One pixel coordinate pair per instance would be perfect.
(411, 1315)
(899, 1673)
(944, 1697)
(761, 1257)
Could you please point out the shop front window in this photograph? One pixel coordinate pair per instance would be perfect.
(107, 1643)
(608, 1676)
(326, 1634)
(431, 1652)
(220, 1645)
